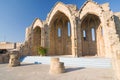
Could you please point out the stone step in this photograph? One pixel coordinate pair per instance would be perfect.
(78, 62)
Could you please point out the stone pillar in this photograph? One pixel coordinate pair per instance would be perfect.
(118, 63)
(56, 67)
(73, 36)
(116, 66)
(42, 37)
(14, 59)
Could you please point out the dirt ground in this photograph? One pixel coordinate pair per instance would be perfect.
(41, 72)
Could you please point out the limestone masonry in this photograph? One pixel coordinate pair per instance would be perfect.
(92, 30)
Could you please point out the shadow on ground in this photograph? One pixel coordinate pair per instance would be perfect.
(28, 64)
(73, 69)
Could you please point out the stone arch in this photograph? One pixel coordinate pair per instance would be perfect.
(89, 13)
(59, 16)
(92, 8)
(92, 11)
(62, 8)
(37, 31)
(92, 36)
(37, 22)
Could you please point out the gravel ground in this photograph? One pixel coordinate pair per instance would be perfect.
(41, 72)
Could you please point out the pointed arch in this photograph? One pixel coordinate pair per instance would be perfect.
(37, 31)
(90, 7)
(37, 23)
(59, 7)
(92, 14)
(59, 16)
(89, 13)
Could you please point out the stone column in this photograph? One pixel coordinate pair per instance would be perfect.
(14, 59)
(56, 67)
(118, 65)
(74, 36)
(43, 37)
(79, 40)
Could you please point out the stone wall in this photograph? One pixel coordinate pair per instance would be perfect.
(75, 17)
(9, 45)
(4, 58)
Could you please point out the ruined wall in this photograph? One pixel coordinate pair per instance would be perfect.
(4, 58)
(65, 9)
(116, 47)
(60, 40)
(25, 48)
(96, 10)
(36, 43)
(109, 23)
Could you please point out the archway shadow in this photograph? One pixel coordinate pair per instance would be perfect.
(73, 69)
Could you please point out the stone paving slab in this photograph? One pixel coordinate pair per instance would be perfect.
(41, 72)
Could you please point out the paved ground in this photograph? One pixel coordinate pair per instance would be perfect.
(40, 72)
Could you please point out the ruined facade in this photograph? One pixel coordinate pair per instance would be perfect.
(92, 30)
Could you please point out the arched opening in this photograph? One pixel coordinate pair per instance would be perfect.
(60, 35)
(36, 39)
(92, 36)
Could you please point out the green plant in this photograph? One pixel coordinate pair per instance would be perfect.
(42, 51)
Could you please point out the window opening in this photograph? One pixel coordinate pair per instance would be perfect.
(69, 29)
(84, 34)
(59, 32)
(93, 34)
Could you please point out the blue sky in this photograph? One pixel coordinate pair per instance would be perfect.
(16, 15)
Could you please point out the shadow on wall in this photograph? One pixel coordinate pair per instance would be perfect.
(117, 24)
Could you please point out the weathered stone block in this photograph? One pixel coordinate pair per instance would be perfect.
(54, 60)
(14, 59)
(56, 67)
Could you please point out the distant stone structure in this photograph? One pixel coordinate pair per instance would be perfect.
(9, 45)
(4, 58)
(5, 47)
(92, 30)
